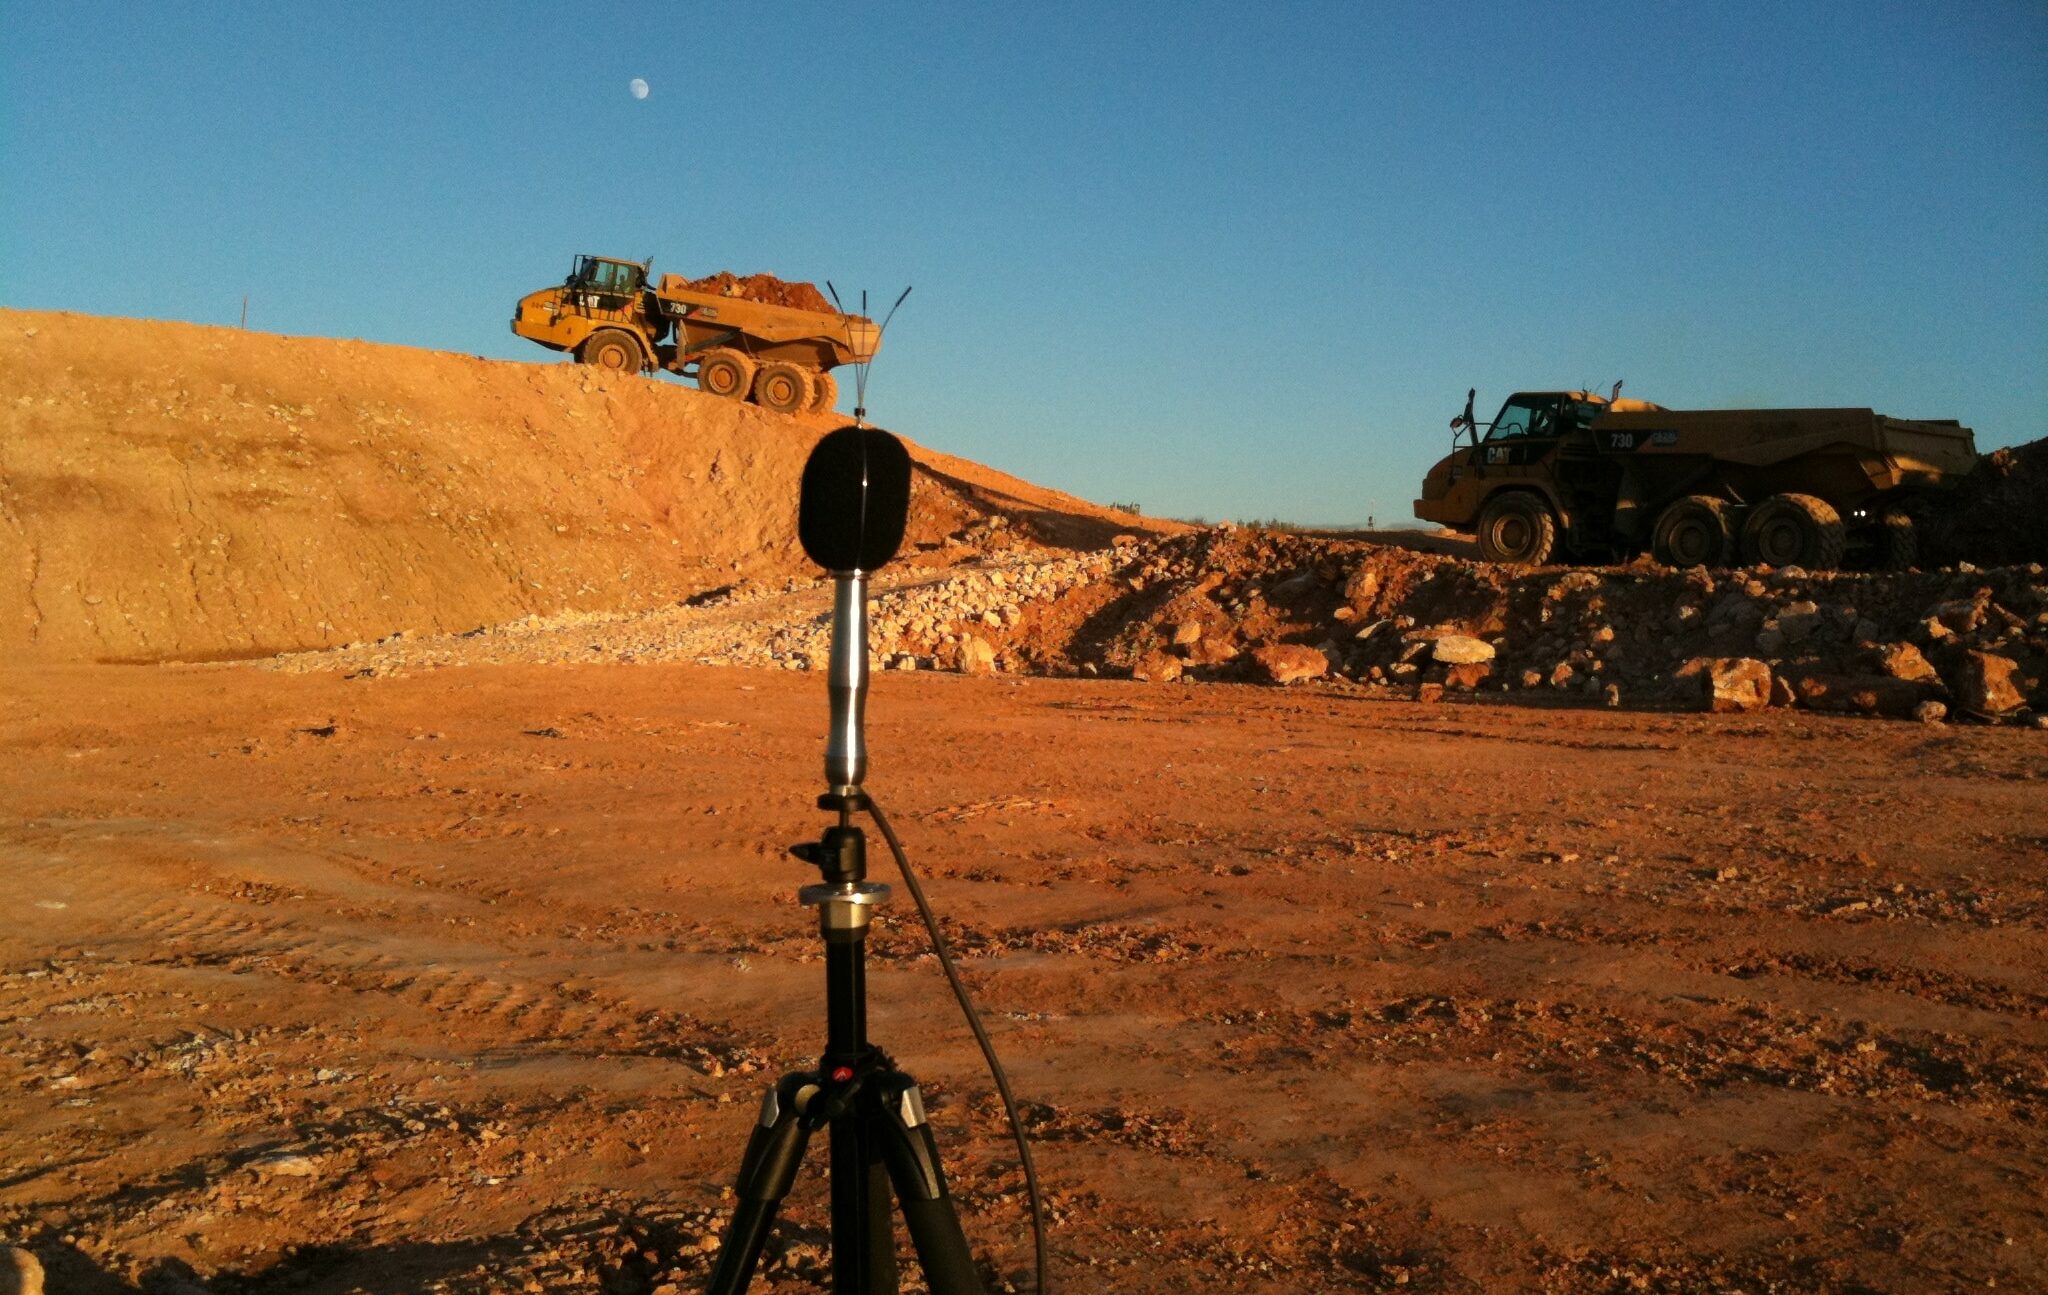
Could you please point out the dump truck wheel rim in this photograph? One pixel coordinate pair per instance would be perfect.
(1515, 529)
(1692, 535)
(782, 389)
(1780, 539)
(1794, 530)
(721, 376)
(612, 353)
(1690, 543)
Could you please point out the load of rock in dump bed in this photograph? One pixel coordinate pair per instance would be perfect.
(764, 288)
(1997, 517)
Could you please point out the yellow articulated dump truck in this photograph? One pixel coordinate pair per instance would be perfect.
(1572, 474)
(738, 337)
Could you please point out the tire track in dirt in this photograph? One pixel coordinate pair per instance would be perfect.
(532, 1005)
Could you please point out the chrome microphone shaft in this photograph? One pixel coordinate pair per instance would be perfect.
(846, 747)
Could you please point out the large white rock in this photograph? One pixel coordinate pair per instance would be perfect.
(21, 1273)
(1460, 649)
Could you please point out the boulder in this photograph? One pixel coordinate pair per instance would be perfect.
(1186, 633)
(1467, 674)
(1987, 684)
(1287, 662)
(1961, 615)
(1798, 621)
(21, 1273)
(976, 656)
(1459, 649)
(1904, 661)
(1209, 651)
(1157, 667)
(1869, 694)
(1730, 685)
(1361, 588)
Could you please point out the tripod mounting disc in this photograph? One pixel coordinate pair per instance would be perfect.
(848, 905)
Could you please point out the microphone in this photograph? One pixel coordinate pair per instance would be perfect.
(851, 512)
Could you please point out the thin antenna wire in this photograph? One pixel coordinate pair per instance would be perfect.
(860, 368)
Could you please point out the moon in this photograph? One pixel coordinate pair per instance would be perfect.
(638, 87)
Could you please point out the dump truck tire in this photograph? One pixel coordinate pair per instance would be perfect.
(1898, 543)
(825, 393)
(783, 387)
(1693, 532)
(725, 372)
(611, 349)
(1794, 531)
(1517, 527)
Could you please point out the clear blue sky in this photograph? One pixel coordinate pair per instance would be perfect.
(1221, 260)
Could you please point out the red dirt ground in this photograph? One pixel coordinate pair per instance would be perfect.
(469, 981)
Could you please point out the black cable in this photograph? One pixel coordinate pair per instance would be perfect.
(988, 1049)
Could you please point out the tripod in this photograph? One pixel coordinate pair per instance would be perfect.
(880, 1138)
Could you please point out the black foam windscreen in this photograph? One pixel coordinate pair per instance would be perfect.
(855, 499)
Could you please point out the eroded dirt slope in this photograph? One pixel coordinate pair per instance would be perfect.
(178, 491)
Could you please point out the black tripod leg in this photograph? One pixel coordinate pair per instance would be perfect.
(863, 1232)
(912, 1154)
(774, 1151)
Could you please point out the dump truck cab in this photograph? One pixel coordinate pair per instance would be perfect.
(607, 282)
(1517, 453)
(602, 314)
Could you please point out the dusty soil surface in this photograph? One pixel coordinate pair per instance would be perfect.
(470, 980)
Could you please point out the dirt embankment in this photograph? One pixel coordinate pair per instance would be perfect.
(178, 491)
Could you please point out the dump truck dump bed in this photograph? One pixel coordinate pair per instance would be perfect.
(847, 339)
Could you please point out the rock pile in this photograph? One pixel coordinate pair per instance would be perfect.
(1232, 604)
(1998, 516)
(1243, 605)
(992, 616)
